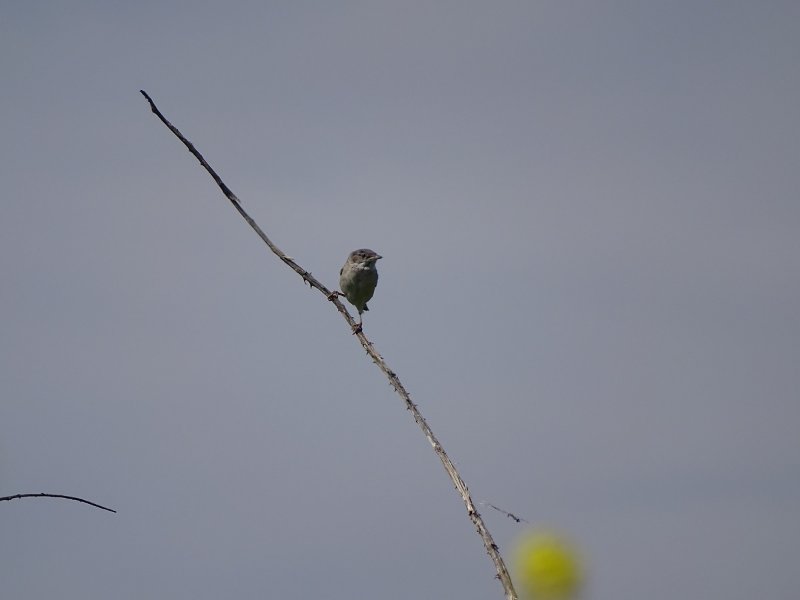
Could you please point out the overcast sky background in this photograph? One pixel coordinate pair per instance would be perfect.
(590, 218)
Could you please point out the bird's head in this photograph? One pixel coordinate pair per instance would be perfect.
(364, 256)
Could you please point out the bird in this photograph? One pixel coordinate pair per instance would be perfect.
(358, 278)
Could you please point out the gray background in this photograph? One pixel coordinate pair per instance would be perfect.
(589, 215)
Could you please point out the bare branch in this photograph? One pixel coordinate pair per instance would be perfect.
(491, 548)
(43, 495)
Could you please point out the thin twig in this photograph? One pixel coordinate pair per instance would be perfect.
(491, 548)
(505, 512)
(43, 495)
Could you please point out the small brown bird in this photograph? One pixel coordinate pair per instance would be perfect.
(358, 278)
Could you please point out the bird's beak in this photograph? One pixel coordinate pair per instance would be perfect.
(378, 257)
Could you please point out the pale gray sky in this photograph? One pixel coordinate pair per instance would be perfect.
(589, 213)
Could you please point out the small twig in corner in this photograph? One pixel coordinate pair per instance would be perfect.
(43, 495)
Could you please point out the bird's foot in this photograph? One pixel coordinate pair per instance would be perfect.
(357, 328)
(334, 294)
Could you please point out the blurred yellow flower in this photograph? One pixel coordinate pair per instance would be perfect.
(547, 567)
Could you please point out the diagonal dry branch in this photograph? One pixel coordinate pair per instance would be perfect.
(43, 495)
(491, 548)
